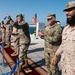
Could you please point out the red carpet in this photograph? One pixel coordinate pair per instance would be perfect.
(35, 69)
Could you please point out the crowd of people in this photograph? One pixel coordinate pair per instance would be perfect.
(55, 46)
(16, 34)
(59, 44)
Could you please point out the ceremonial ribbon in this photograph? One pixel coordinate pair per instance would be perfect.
(1, 46)
(13, 69)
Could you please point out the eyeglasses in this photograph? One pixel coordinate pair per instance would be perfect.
(49, 19)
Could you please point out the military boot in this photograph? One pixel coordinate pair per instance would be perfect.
(25, 64)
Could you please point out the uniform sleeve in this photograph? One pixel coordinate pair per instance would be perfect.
(62, 47)
(26, 28)
(11, 28)
(60, 50)
(56, 37)
(15, 25)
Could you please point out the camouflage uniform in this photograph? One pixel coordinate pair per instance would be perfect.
(67, 48)
(52, 42)
(8, 32)
(24, 40)
(3, 32)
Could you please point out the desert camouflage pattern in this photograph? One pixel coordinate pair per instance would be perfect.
(3, 33)
(70, 5)
(67, 49)
(52, 39)
(24, 40)
(8, 34)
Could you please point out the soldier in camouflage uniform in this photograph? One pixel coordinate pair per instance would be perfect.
(14, 39)
(21, 30)
(3, 31)
(52, 36)
(67, 48)
(8, 33)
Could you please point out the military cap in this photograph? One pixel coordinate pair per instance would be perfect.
(49, 16)
(20, 15)
(70, 5)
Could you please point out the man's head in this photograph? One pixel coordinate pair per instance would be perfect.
(51, 18)
(19, 17)
(2, 22)
(70, 13)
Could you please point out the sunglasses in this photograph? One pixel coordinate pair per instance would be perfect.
(49, 19)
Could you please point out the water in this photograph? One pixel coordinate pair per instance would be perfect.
(62, 27)
(32, 29)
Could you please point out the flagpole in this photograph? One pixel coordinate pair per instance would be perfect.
(35, 22)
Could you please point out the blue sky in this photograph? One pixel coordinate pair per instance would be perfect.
(30, 7)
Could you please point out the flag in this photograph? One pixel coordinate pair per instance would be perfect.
(5, 18)
(7, 15)
(34, 19)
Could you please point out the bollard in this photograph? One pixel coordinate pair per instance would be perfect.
(35, 33)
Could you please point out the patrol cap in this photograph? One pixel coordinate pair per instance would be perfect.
(20, 15)
(49, 16)
(70, 5)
